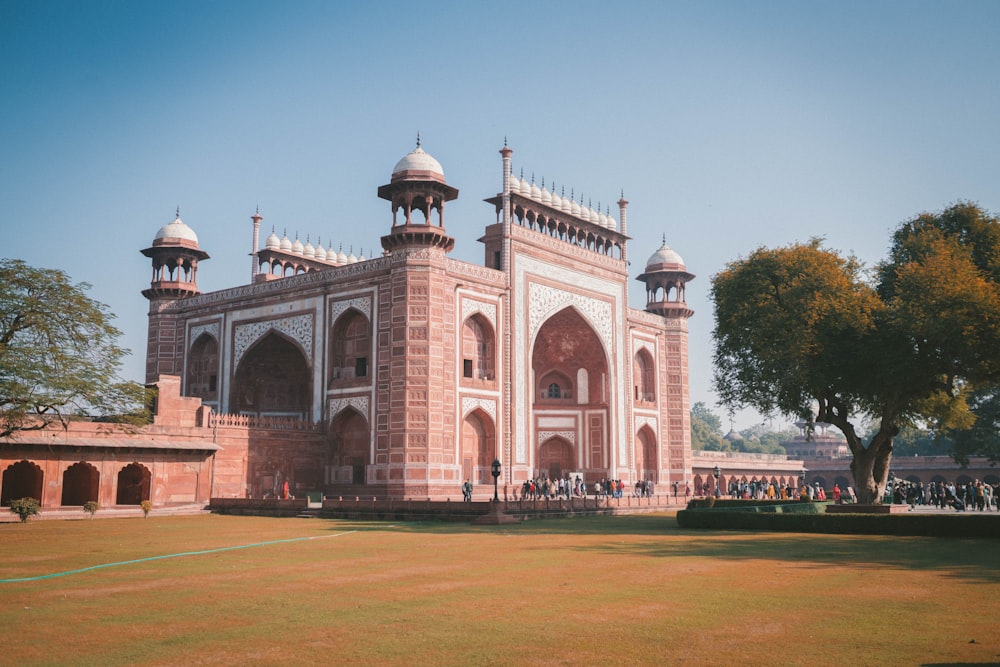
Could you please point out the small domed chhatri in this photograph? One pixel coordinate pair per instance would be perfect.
(664, 258)
(176, 233)
(419, 165)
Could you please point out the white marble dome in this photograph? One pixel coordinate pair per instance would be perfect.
(176, 230)
(418, 160)
(664, 256)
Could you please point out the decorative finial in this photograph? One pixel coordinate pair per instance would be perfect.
(664, 238)
(505, 141)
(418, 138)
(258, 209)
(178, 212)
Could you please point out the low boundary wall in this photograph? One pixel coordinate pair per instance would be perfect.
(423, 509)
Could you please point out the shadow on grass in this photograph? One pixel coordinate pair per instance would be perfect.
(971, 560)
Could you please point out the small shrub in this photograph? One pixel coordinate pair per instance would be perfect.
(146, 507)
(91, 507)
(24, 507)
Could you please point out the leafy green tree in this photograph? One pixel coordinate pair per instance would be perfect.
(807, 333)
(706, 429)
(983, 438)
(59, 356)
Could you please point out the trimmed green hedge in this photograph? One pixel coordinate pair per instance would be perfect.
(927, 525)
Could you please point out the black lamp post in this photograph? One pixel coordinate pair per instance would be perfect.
(496, 475)
(802, 478)
(716, 473)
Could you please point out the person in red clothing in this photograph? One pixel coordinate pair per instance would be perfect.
(836, 494)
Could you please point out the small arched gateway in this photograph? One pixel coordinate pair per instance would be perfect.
(134, 482)
(478, 448)
(348, 448)
(555, 458)
(81, 484)
(21, 480)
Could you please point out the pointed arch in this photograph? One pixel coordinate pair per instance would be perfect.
(348, 447)
(81, 484)
(350, 347)
(644, 376)
(273, 378)
(21, 480)
(203, 369)
(478, 348)
(478, 447)
(646, 461)
(565, 344)
(134, 483)
(556, 457)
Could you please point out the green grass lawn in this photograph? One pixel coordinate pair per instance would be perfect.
(589, 591)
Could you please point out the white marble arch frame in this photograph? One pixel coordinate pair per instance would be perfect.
(362, 304)
(297, 328)
(336, 406)
(211, 328)
(471, 404)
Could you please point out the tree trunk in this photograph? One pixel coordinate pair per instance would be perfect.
(870, 468)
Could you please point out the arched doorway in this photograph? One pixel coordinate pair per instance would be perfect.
(555, 458)
(81, 484)
(134, 482)
(348, 448)
(203, 369)
(478, 349)
(273, 378)
(478, 447)
(21, 480)
(350, 347)
(644, 377)
(646, 467)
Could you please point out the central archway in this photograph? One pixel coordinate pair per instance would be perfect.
(273, 378)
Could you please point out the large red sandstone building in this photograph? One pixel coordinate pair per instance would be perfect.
(420, 369)
(400, 375)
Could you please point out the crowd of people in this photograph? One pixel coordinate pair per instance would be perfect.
(974, 495)
(542, 488)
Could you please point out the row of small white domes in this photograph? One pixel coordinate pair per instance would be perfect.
(296, 247)
(562, 203)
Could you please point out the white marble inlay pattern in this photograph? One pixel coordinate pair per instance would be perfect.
(565, 435)
(212, 328)
(546, 301)
(489, 310)
(645, 420)
(361, 303)
(642, 344)
(471, 403)
(359, 403)
(299, 328)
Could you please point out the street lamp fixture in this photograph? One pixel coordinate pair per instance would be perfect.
(802, 477)
(496, 475)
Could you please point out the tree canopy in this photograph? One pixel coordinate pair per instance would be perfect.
(808, 333)
(59, 356)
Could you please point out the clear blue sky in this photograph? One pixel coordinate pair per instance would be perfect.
(728, 125)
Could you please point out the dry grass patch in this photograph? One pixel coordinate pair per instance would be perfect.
(585, 591)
